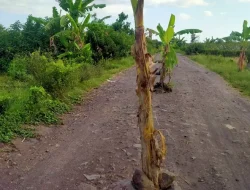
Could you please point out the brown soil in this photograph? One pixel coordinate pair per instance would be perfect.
(206, 122)
(166, 88)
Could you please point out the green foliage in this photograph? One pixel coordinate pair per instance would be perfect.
(79, 8)
(18, 68)
(59, 77)
(36, 66)
(106, 42)
(39, 86)
(121, 26)
(21, 39)
(41, 108)
(194, 48)
(226, 49)
(4, 103)
(193, 33)
(153, 46)
(227, 68)
(188, 31)
(169, 54)
(23, 103)
(246, 31)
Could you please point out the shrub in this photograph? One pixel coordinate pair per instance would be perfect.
(4, 104)
(59, 77)
(106, 42)
(18, 68)
(194, 48)
(86, 71)
(41, 108)
(37, 65)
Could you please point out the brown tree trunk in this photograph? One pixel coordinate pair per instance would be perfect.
(163, 72)
(242, 59)
(153, 151)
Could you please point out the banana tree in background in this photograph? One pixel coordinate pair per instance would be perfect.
(150, 32)
(72, 36)
(152, 141)
(67, 29)
(193, 33)
(245, 37)
(78, 8)
(168, 53)
(52, 26)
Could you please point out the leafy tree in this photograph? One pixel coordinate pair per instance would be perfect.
(121, 25)
(34, 36)
(233, 37)
(106, 42)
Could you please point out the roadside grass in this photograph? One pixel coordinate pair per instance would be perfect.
(24, 105)
(228, 69)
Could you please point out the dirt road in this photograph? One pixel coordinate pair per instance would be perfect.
(206, 122)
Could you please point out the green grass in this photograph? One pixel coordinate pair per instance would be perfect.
(228, 69)
(105, 71)
(24, 104)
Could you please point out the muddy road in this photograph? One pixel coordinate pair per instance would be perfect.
(206, 124)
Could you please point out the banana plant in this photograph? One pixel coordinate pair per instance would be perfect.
(152, 141)
(193, 33)
(150, 32)
(245, 37)
(52, 25)
(188, 31)
(79, 8)
(72, 37)
(168, 53)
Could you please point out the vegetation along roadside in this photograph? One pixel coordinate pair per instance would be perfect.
(46, 64)
(228, 69)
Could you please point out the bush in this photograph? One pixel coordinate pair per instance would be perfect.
(41, 108)
(107, 43)
(87, 71)
(194, 48)
(153, 46)
(4, 104)
(225, 49)
(18, 68)
(59, 77)
(37, 65)
(5, 59)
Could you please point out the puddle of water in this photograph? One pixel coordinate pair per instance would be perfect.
(229, 127)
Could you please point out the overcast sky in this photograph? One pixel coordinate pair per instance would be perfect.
(216, 18)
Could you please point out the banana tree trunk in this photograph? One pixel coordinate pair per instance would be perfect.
(152, 154)
(242, 59)
(163, 72)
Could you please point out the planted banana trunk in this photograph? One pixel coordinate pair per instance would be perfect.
(163, 73)
(153, 151)
(242, 59)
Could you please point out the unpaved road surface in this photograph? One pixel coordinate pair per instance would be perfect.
(206, 122)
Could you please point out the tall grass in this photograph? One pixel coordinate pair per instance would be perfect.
(228, 69)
